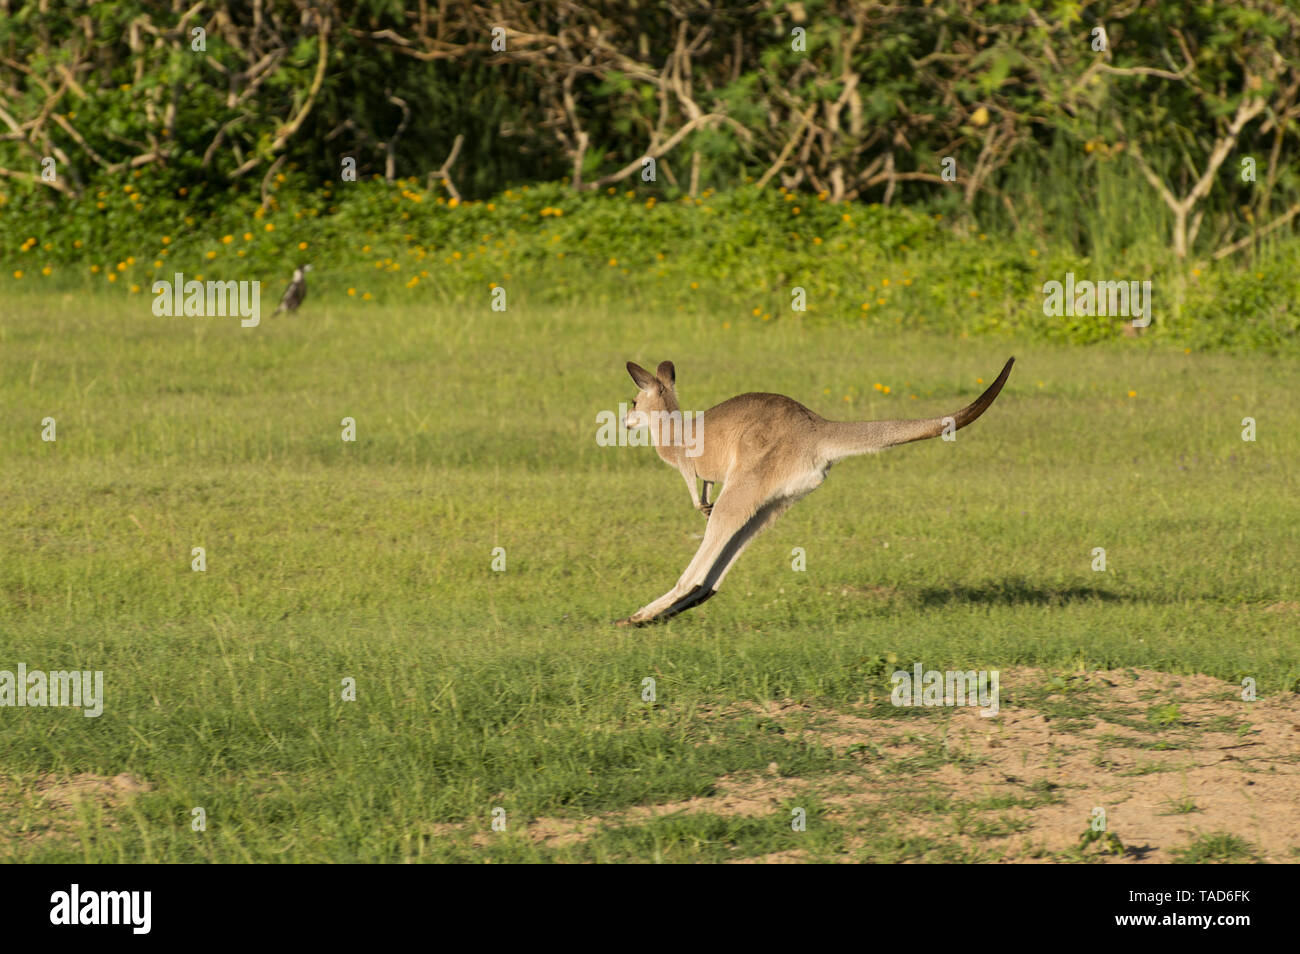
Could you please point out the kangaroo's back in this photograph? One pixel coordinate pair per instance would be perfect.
(754, 425)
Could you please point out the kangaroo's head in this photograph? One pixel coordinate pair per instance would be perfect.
(657, 393)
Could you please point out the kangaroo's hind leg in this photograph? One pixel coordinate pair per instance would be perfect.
(738, 515)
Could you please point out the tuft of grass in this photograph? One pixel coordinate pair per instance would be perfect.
(1216, 848)
(1181, 806)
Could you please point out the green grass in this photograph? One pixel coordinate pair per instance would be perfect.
(1217, 848)
(479, 689)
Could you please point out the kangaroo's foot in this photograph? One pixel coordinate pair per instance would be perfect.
(668, 606)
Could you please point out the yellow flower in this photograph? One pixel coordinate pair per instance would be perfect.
(46, 270)
(130, 260)
(884, 282)
(613, 262)
(352, 292)
(248, 236)
(135, 289)
(695, 285)
(112, 276)
(212, 255)
(121, 266)
(270, 226)
(886, 389)
(227, 239)
(878, 386)
(18, 273)
(366, 297)
(452, 203)
(1132, 394)
(167, 240)
(302, 246)
(94, 269)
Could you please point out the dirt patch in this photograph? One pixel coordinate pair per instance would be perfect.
(64, 793)
(752, 796)
(1289, 606)
(48, 806)
(1170, 760)
(793, 857)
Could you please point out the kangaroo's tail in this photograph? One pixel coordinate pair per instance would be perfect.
(842, 440)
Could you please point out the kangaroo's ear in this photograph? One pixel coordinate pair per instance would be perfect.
(667, 374)
(643, 378)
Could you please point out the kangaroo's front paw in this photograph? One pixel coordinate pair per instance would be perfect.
(705, 509)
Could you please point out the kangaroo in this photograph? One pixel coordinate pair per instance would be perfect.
(767, 451)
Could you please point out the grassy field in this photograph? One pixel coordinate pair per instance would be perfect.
(479, 689)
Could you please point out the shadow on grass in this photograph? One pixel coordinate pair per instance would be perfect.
(1014, 591)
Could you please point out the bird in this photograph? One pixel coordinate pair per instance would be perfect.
(296, 292)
